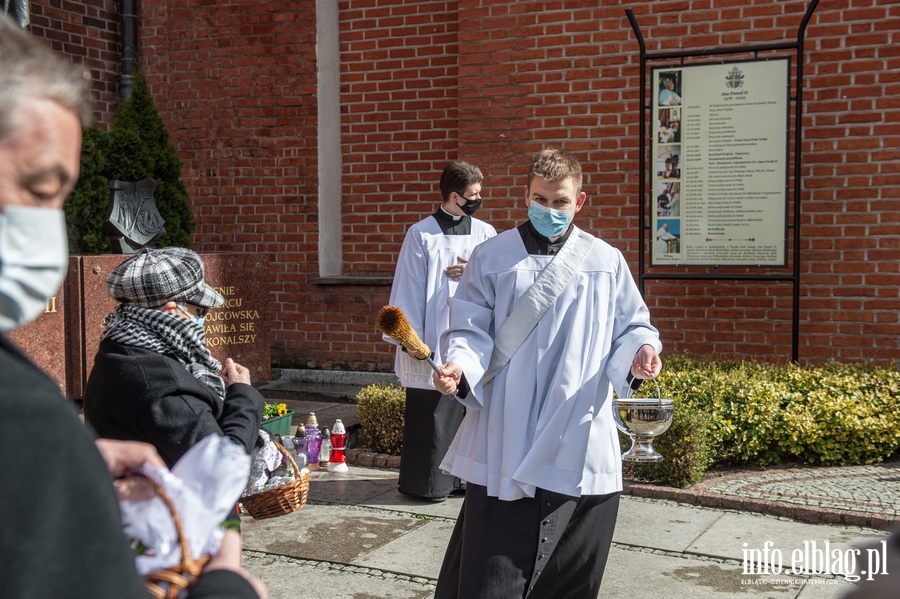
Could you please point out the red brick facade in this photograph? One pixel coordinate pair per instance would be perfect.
(88, 31)
(492, 82)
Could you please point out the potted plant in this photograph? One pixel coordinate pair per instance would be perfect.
(277, 419)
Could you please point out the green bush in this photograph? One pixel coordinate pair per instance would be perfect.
(746, 413)
(136, 147)
(381, 408)
(687, 447)
(86, 206)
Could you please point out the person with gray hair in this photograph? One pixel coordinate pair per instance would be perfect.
(62, 536)
(667, 94)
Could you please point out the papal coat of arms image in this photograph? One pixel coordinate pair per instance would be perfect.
(735, 78)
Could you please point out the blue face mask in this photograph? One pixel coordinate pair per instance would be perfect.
(549, 222)
(197, 320)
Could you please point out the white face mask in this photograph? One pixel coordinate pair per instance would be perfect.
(34, 256)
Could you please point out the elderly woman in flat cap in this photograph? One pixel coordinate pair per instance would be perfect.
(154, 379)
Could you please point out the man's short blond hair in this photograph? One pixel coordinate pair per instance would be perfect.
(29, 70)
(555, 165)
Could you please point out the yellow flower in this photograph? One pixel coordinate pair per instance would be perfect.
(271, 410)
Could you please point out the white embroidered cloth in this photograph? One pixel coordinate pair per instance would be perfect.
(204, 486)
(264, 461)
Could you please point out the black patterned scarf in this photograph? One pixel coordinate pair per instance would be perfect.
(169, 335)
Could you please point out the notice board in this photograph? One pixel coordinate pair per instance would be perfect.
(720, 164)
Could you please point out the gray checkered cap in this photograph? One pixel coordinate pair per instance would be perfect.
(156, 276)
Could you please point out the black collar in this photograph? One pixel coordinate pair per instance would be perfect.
(449, 226)
(535, 243)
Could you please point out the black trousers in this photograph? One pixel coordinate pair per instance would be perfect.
(429, 424)
(551, 546)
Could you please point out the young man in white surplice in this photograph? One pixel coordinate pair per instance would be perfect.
(538, 446)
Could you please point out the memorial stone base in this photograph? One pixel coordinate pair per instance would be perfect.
(64, 340)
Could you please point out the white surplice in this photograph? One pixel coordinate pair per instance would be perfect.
(545, 420)
(421, 289)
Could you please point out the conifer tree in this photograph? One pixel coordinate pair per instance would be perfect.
(136, 147)
(86, 206)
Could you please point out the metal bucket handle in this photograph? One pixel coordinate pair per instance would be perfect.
(658, 392)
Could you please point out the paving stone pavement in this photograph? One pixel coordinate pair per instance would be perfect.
(735, 535)
(359, 538)
(859, 488)
(856, 495)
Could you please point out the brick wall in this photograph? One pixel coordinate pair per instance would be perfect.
(493, 81)
(88, 31)
(567, 74)
(398, 121)
(236, 83)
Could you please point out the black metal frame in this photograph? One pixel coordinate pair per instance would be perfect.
(646, 204)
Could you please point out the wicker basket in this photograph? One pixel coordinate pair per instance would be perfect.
(281, 500)
(167, 583)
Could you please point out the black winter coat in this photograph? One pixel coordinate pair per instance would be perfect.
(136, 394)
(62, 534)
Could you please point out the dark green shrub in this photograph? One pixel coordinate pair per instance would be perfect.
(381, 408)
(86, 205)
(139, 147)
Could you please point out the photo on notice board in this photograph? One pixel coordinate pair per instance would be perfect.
(668, 162)
(668, 199)
(668, 236)
(668, 125)
(669, 88)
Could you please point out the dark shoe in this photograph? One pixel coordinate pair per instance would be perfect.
(460, 490)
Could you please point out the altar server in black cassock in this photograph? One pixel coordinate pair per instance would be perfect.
(431, 262)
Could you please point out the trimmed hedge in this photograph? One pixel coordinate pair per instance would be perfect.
(733, 413)
(381, 408)
(746, 413)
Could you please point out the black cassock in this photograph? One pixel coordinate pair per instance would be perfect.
(550, 546)
(429, 425)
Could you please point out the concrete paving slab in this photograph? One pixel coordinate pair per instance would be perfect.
(288, 580)
(330, 377)
(661, 525)
(349, 491)
(336, 391)
(727, 536)
(817, 588)
(641, 575)
(352, 487)
(395, 500)
(355, 473)
(419, 552)
(325, 533)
